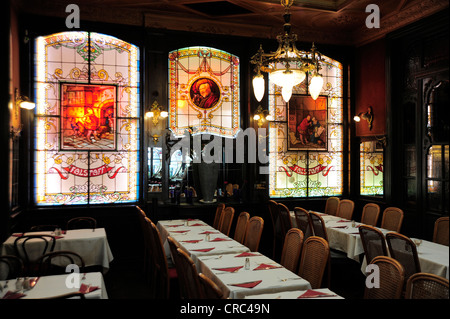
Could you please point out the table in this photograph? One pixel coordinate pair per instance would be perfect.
(191, 237)
(322, 293)
(91, 245)
(51, 286)
(274, 279)
(433, 258)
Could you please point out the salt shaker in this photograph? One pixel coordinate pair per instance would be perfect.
(247, 263)
(19, 283)
(353, 224)
(207, 237)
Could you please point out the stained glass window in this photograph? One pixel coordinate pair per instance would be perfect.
(203, 91)
(371, 168)
(307, 160)
(87, 119)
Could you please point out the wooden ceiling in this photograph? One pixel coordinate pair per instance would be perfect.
(322, 21)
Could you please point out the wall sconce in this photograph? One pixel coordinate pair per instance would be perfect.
(260, 117)
(368, 116)
(155, 114)
(20, 101)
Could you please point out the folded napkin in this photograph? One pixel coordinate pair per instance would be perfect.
(266, 266)
(174, 225)
(314, 294)
(17, 234)
(193, 241)
(339, 227)
(179, 231)
(13, 295)
(220, 239)
(230, 269)
(87, 289)
(197, 224)
(250, 284)
(203, 249)
(208, 232)
(245, 254)
(344, 221)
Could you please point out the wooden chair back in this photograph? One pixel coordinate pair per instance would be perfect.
(292, 248)
(332, 205)
(285, 218)
(241, 227)
(226, 220)
(82, 223)
(370, 214)
(253, 233)
(55, 263)
(391, 279)
(22, 248)
(440, 233)
(303, 221)
(427, 286)
(318, 225)
(314, 259)
(392, 219)
(189, 279)
(210, 288)
(278, 235)
(218, 215)
(160, 269)
(402, 249)
(346, 208)
(374, 242)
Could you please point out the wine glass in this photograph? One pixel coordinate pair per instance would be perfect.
(417, 242)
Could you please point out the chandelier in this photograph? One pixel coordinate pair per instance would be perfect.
(287, 66)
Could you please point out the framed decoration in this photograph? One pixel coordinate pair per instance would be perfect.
(88, 116)
(307, 123)
(204, 91)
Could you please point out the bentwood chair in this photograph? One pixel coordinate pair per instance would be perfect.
(303, 221)
(226, 220)
(374, 242)
(253, 233)
(318, 225)
(218, 215)
(173, 245)
(292, 249)
(370, 214)
(391, 277)
(145, 238)
(10, 267)
(331, 206)
(189, 279)
(162, 276)
(440, 233)
(313, 261)
(346, 208)
(55, 263)
(285, 218)
(82, 223)
(276, 227)
(210, 288)
(22, 249)
(427, 286)
(392, 219)
(402, 249)
(241, 227)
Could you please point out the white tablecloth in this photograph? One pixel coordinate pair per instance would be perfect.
(433, 258)
(50, 286)
(192, 232)
(296, 294)
(273, 280)
(93, 246)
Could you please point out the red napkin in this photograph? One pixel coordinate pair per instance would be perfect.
(179, 231)
(266, 266)
(230, 269)
(17, 234)
(204, 249)
(313, 294)
(174, 225)
(198, 224)
(191, 241)
(208, 232)
(220, 239)
(248, 284)
(13, 295)
(354, 233)
(245, 254)
(86, 289)
(339, 227)
(343, 221)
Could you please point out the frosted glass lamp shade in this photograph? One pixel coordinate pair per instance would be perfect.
(315, 87)
(258, 87)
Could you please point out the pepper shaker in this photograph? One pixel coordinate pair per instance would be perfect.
(247, 263)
